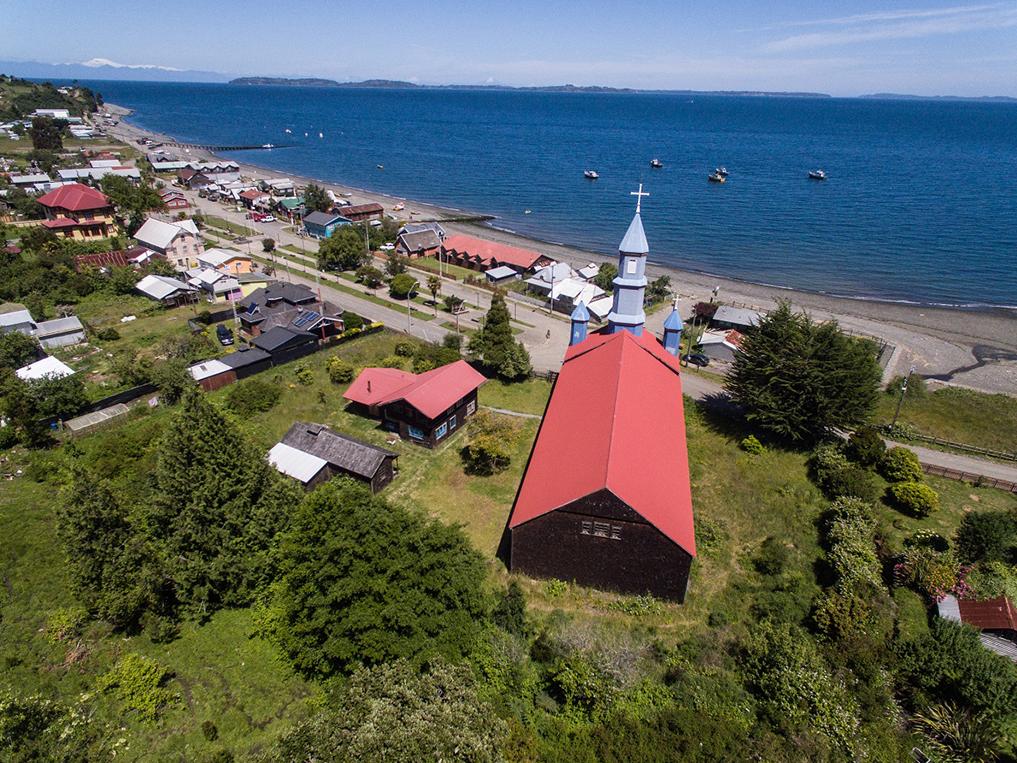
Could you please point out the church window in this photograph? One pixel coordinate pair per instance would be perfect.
(631, 268)
(601, 530)
(615, 532)
(586, 528)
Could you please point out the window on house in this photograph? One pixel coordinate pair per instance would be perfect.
(586, 528)
(471, 407)
(601, 530)
(452, 423)
(416, 434)
(441, 431)
(615, 532)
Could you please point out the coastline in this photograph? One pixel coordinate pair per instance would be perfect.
(973, 345)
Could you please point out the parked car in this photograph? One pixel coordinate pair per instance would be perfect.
(387, 247)
(697, 359)
(224, 334)
(268, 218)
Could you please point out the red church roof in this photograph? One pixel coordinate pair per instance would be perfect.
(989, 614)
(431, 393)
(491, 250)
(74, 197)
(615, 421)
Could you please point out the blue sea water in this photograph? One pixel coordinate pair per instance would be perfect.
(920, 204)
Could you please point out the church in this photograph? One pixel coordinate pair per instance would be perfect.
(605, 500)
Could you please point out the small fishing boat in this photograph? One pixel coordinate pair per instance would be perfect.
(288, 131)
(716, 177)
(817, 175)
(268, 145)
(321, 135)
(590, 174)
(722, 171)
(380, 166)
(656, 163)
(527, 211)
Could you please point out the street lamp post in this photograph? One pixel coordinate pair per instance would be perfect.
(409, 299)
(903, 391)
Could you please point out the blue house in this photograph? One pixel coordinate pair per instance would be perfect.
(322, 224)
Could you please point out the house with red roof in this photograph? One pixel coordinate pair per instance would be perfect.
(79, 212)
(480, 254)
(424, 408)
(606, 497)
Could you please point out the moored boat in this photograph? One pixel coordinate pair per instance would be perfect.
(716, 177)
(656, 163)
(590, 174)
(817, 175)
(722, 171)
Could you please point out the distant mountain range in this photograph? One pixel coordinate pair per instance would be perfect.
(400, 84)
(102, 68)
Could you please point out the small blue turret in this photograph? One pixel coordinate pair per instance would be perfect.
(580, 323)
(673, 331)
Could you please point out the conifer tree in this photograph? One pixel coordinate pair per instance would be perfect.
(218, 509)
(495, 346)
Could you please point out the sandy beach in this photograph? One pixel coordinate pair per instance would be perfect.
(976, 348)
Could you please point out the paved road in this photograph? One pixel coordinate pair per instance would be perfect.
(967, 464)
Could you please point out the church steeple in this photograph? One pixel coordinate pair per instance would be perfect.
(627, 309)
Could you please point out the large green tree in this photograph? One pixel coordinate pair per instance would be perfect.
(315, 199)
(47, 133)
(393, 713)
(133, 202)
(800, 379)
(218, 509)
(496, 347)
(364, 582)
(16, 349)
(343, 250)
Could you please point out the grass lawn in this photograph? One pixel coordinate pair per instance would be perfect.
(225, 672)
(959, 415)
(228, 225)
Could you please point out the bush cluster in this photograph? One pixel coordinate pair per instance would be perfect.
(252, 396)
(340, 371)
(489, 448)
(900, 465)
(752, 445)
(138, 683)
(914, 498)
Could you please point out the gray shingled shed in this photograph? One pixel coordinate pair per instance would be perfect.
(339, 453)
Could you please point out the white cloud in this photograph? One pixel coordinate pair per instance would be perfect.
(99, 62)
(896, 26)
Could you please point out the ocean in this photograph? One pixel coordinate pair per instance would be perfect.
(920, 204)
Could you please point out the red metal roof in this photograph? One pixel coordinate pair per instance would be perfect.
(62, 222)
(251, 194)
(431, 393)
(989, 614)
(74, 197)
(115, 258)
(616, 421)
(490, 250)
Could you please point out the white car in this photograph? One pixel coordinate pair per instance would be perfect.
(268, 219)
(387, 247)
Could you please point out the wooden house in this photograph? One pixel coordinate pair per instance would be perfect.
(313, 454)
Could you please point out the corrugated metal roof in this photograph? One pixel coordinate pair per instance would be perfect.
(295, 463)
(208, 369)
(58, 326)
(48, 366)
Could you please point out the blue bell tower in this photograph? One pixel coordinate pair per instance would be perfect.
(673, 330)
(580, 324)
(627, 309)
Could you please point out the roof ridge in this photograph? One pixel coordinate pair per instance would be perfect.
(614, 415)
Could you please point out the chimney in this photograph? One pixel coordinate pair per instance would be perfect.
(673, 330)
(580, 324)
(368, 385)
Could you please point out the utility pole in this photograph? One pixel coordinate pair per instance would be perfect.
(903, 391)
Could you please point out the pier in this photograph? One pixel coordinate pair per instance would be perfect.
(202, 147)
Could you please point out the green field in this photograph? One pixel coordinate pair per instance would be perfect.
(225, 672)
(960, 415)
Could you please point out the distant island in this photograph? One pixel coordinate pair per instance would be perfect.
(906, 97)
(568, 88)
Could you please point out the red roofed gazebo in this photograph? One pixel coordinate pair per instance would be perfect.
(425, 408)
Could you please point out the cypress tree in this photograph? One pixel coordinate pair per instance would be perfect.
(218, 509)
(495, 346)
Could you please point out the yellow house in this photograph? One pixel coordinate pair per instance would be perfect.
(251, 282)
(226, 261)
(79, 212)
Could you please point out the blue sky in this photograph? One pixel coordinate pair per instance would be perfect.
(844, 48)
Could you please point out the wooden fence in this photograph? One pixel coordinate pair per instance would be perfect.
(977, 480)
(899, 434)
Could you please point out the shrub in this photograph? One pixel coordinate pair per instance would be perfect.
(488, 450)
(108, 334)
(402, 285)
(752, 445)
(865, 447)
(138, 683)
(252, 396)
(914, 498)
(851, 549)
(305, 375)
(352, 321)
(842, 613)
(555, 588)
(772, 558)
(991, 579)
(852, 482)
(339, 371)
(989, 536)
(824, 461)
(900, 465)
(405, 349)
(926, 570)
(391, 361)
(8, 437)
(209, 730)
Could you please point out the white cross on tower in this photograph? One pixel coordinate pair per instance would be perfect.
(639, 196)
